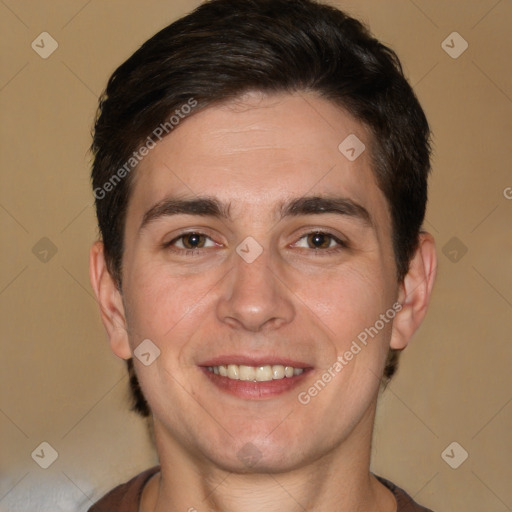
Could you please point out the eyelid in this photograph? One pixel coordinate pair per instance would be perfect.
(341, 240)
(188, 231)
(180, 238)
(323, 230)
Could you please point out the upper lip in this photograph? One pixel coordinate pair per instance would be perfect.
(254, 361)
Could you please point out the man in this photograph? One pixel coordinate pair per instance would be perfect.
(260, 177)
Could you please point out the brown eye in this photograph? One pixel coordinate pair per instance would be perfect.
(319, 240)
(191, 244)
(193, 240)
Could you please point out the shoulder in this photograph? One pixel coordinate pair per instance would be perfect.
(125, 497)
(404, 502)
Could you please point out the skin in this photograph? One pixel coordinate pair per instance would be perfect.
(294, 301)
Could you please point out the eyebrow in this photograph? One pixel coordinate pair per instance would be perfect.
(201, 206)
(212, 207)
(314, 205)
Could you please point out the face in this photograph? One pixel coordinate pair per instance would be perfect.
(252, 244)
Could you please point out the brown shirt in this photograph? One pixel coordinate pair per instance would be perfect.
(126, 497)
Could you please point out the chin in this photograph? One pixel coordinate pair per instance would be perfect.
(263, 455)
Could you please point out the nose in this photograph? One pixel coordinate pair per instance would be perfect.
(254, 297)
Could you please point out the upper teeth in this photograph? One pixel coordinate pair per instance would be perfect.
(255, 373)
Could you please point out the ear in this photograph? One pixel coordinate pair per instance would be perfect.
(414, 292)
(110, 301)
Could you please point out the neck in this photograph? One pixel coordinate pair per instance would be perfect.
(337, 481)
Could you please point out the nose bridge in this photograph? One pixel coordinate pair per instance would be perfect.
(254, 297)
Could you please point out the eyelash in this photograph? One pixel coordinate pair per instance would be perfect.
(317, 252)
(341, 245)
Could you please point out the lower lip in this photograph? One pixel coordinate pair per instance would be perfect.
(255, 390)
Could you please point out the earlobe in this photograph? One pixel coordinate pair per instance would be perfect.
(110, 302)
(415, 292)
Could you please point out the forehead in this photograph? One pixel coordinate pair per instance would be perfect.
(259, 151)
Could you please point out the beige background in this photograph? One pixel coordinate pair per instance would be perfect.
(59, 382)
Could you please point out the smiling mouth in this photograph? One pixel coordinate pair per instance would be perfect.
(259, 382)
(263, 373)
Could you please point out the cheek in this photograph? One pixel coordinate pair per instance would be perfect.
(346, 300)
(159, 303)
